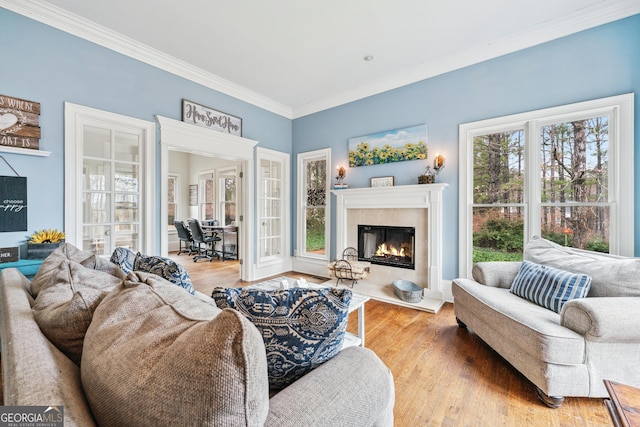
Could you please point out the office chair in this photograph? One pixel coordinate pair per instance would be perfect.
(200, 238)
(184, 234)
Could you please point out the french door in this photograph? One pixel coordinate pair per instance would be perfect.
(108, 180)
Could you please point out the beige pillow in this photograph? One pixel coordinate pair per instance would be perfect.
(155, 355)
(69, 252)
(65, 304)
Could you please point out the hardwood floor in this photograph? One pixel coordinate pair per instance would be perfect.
(444, 375)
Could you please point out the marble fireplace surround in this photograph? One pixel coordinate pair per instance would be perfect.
(418, 206)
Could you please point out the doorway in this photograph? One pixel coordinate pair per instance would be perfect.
(179, 137)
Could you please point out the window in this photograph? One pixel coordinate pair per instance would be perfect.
(228, 195)
(273, 206)
(207, 196)
(556, 173)
(172, 200)
(107, 158)
(313, 197)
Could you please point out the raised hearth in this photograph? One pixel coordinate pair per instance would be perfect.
(417, 206)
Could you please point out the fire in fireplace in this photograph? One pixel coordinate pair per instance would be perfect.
(386, 245)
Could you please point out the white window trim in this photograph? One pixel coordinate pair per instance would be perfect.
(302, 197)
(74, 117)
(621, 128)
(201, 193)
(276, 264)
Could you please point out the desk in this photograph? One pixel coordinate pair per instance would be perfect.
(223, 231)
(624, 405)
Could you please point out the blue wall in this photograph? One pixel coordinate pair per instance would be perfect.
(600, 62)
(42, 64)
(45, 65)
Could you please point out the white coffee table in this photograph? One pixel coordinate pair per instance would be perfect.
(356, 303)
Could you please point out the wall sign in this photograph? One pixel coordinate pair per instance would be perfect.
(210, 118)
(13, 203)
(9, 254)
(19, 123)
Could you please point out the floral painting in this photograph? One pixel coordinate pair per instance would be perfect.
(388, 147)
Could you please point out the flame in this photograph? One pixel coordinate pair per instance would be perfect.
(383, 250)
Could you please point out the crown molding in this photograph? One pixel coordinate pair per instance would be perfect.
(60, 19)
(53, 16)
(553, 29)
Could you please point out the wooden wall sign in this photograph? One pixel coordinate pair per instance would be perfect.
(19, 123)
(13, 203)
(9, 255)
(210, 118)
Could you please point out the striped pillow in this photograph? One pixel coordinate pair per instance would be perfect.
(548, 286)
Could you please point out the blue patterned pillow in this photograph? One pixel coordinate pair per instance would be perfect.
(165, 268)
(301, 328)
(548, 286)
(124, 258)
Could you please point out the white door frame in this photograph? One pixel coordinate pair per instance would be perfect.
(185, 137)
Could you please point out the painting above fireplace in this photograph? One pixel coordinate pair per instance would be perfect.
(387, 245)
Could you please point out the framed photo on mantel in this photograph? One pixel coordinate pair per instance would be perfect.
(382, 181)
(208, 117)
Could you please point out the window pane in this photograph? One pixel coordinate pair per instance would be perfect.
(126, 208)
(96, 239)
(316, 182)
(126, 177)
(582, 227)
(127, 236)
(575, 161)
(498, 167)
(498, 233)
(127, 147)
(96, 142)
(315, 220)
(96, 175)
(96, 208)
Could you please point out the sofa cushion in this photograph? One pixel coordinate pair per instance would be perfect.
(155, 355)
(65, 304)
(611, 276)
(166, 268)
(70, 252)
(517, 325)
(124, 258)
(548, 286)
(301, 328)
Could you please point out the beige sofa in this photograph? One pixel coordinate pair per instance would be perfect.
(354, 388)
(563, 354)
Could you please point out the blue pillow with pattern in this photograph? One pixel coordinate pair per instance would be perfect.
(548, 286)
(164, 267)
(301, 328)
(124, 258)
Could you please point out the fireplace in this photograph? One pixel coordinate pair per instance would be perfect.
(387, 245)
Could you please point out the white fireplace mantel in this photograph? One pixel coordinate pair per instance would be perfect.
(425, 196)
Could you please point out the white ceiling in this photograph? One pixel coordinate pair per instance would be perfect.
(296, 57)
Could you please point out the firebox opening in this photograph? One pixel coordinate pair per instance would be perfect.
(386, 245)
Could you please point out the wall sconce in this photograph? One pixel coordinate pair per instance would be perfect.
(429, 176)
(340, 184)
(438, 163)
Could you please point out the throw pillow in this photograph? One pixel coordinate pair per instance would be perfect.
(166, 268)
(65, 304)
(50, 264)
(124, 258)
(611, 275)
(154, 355)
(301, 328)
(548, 286)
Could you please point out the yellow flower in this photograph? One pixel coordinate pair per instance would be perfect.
(47, 236)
